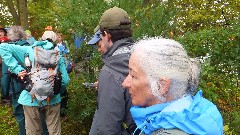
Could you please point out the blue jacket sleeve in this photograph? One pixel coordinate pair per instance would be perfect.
(64, 74)
(12, 55)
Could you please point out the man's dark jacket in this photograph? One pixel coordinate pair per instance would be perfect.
(113, 101)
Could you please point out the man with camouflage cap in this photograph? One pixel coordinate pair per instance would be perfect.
(112, 116)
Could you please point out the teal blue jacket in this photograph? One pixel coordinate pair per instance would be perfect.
(192, 115)
(9, 83)
(13, 56)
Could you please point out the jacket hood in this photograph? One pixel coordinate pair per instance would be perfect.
(117, 56)
(193, 115)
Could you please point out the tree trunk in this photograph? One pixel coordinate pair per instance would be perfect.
(13, 12)
(23, 14)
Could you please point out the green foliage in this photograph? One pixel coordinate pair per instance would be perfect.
(80, 15)
(8, 124)
(218, 49)
(82, 101)
(6, 19)
(41, 14)
(201, 14)
(81, 104)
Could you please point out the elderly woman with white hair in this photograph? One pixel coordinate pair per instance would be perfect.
(162, 80)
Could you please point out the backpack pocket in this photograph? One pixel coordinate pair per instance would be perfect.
(42, 83)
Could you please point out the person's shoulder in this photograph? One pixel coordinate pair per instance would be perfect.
(169, 132)
(43, 44)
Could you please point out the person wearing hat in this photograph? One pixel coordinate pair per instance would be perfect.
(3, 35)
(29, 37)
(50, 36)
(112, 115)
(96, 40)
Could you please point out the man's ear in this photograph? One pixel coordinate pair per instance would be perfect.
(108, 35)
(164, 85)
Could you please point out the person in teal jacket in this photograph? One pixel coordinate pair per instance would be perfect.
(13, 56)
(162, 82)
(12, 84)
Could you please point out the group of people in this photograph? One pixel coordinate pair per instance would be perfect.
(144, 87)
(34, 116)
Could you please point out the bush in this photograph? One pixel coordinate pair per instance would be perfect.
(218, 49)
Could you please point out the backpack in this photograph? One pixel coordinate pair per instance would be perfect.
(43, 80)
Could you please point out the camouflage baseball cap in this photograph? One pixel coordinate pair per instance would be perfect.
(112, 18)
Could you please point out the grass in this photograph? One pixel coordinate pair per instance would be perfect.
(8, 124)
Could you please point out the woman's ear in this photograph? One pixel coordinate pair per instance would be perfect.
(164, 85)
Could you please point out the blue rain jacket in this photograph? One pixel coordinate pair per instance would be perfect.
(193, 115)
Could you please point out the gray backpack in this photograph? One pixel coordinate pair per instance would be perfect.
(44, 72)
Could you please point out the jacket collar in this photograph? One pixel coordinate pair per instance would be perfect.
(116, 45)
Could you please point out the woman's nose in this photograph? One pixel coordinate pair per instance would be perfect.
(126, 83)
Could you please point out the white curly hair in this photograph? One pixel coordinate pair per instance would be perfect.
(16, 33)
(159, 57)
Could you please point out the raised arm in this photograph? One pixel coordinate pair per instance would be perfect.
(13, 56)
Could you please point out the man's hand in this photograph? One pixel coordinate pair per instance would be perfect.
(22, 74)
(96, 85)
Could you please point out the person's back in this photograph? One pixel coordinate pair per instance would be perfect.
(112, 115)
(11, 83)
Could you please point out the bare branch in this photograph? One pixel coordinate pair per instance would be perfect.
(13, 12)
